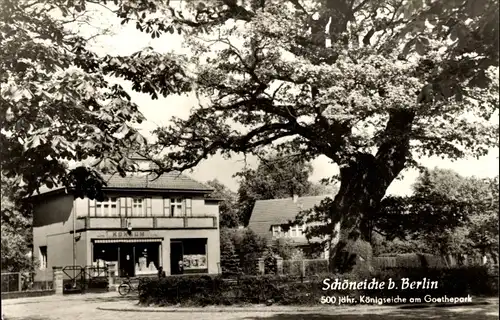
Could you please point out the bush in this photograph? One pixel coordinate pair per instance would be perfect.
(316, 267)
(292, 267)
(240, 250)
(214, 290)
(460, 281)
(353, 256)
(310, 267)
(229, 260)
(284, 248)
(270, 262)
(409, 260)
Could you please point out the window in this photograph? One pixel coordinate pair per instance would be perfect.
(300, 231)
(194, 256)
(176, 209)
(107, 208)
(43, 257)
(276, 231)
(296, 231)
(138, 207)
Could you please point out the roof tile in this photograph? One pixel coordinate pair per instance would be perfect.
(167, 181)
(171, 180)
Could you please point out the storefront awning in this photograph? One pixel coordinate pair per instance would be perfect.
(128, 240)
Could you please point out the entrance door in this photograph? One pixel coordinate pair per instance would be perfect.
(127, 265)
(176, 255)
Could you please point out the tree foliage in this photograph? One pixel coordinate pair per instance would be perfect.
(249, 247)
(277, 176)
(448, 214)
(56, 104)
(16, 229)
(228, 210)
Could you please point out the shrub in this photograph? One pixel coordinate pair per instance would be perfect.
(270, 266)
(316, 267)
(249, 248)
(229, 260)
(353, 255)
(459, 281)
(283, 247)
(214, 290)
(292, 267)
(240, 251)
(409, 260)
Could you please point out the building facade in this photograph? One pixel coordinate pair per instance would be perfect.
(143, 224)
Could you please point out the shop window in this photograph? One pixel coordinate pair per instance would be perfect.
(147, 258)
(43, 257)
(102, 255)
(195, 255)
(105, 253)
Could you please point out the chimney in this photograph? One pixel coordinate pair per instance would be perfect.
(295, 198)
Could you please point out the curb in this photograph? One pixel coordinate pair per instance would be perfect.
(242, 310)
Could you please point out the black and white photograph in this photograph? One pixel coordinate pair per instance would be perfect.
(249, 159)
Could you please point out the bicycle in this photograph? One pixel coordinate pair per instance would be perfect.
(127, 286)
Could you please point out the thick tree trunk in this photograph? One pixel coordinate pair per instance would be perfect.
(364, 179)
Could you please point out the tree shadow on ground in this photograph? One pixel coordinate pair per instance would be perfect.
(26, 318)
(394, 314)
(116, 298)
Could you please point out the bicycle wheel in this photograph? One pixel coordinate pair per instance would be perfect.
(124, 289)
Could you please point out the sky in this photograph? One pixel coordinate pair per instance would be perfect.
(126, 40)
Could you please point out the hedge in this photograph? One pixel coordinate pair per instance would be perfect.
(273, 289)
(458, 281)
(408, 260)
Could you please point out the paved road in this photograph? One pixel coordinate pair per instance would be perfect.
(86, 308)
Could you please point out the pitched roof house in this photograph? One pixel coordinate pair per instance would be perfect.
(270, 218)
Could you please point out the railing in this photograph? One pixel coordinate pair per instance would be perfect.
(147, 222)
(23, 281)
(305, 267)
(308, 267)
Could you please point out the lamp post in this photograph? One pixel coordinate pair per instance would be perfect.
(74, 242)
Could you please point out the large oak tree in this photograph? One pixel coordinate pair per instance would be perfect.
(372, 85)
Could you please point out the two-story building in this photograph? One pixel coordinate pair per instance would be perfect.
(271, 218)
(144, 223)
